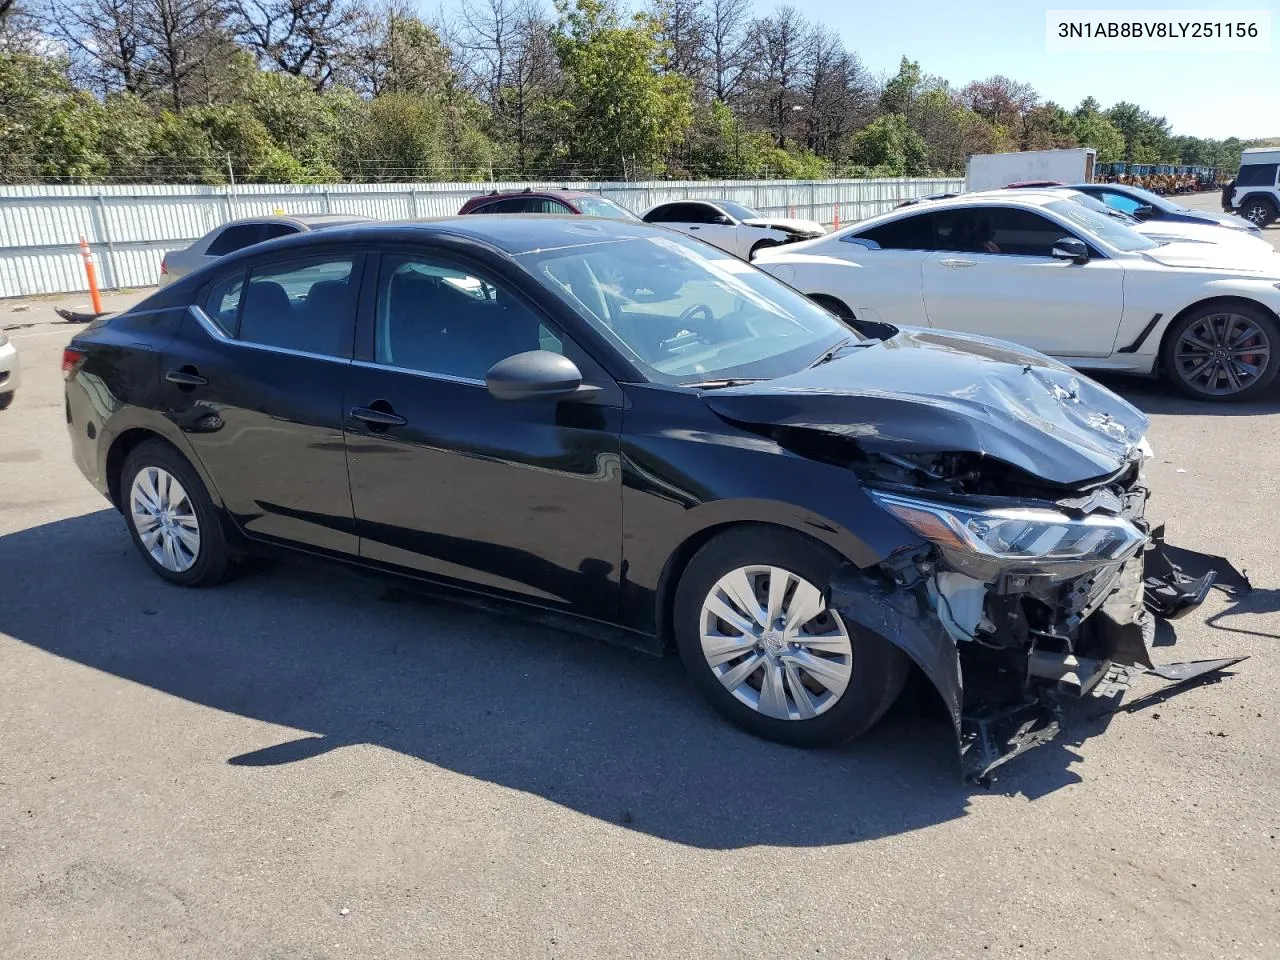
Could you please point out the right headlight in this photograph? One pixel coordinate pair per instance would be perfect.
(981, 542)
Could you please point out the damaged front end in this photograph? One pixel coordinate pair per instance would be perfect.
(1026, 597)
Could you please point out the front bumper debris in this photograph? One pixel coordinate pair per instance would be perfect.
(1010, 691)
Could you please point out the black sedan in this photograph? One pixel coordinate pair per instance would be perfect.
(618, 423)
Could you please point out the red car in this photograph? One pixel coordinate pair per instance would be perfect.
(528, 200)
(1028, 184)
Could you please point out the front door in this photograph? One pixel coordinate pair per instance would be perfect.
(993, 274)
(255, 381)
(521, 497)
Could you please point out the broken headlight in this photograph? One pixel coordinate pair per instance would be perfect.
(984, 542)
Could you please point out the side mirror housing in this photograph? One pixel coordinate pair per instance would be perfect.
(724, 221)
(1070, 248)
(533, 375)
(1144, 212)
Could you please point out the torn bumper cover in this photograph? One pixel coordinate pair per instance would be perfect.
(1007, 657)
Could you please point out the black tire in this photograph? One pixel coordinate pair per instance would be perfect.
(1259, 211)
(213, 558)
(6, 399)
(762, 245)
(879, 668)
(836, 306)
(1170, 351)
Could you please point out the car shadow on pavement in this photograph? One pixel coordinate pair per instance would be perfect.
(602, 730)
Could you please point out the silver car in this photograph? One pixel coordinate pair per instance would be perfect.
(237, 234)
(8, 371)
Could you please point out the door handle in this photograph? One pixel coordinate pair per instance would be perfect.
(695, 228)
(378, 415)
(956, 262)
(186, 377)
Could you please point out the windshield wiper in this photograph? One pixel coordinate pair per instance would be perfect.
(724, 382)
(834, 351)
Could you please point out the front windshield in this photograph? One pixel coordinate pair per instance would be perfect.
(600, 207)
(1108, 229)
(1097, 206)
(685, 312)
(735, 209)
(1157, 201)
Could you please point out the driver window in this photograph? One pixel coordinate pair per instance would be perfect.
(997, 230)
(436, 318)
(702, 213)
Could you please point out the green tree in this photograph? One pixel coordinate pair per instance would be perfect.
(1093, 129)
(48, 129)
(889, 147)
(623, 112)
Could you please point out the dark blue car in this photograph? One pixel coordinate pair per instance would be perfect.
(1145, 205)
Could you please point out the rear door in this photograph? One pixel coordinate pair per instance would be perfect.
(520, 497)
(892, 257)
(994, 275)
(255, 380)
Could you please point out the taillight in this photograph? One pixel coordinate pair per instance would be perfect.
(71, 358)
(164, 265)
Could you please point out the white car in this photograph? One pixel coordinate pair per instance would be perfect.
(1159, 230)
(8, 371)
(1044, 271)
(238, 234)
(732, 227)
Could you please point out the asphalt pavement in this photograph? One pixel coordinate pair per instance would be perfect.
(304, 763)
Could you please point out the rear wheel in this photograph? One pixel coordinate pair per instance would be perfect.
(1223, 352)
(758, 640)
(172, 520)
(1260, 212)
(6, 399)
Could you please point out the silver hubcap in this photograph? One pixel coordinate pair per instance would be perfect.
(770, 639)
(1257, 214)
(1222, 354)
(165, 519)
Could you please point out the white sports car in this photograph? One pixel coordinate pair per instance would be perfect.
(731, 226)
(1047, 272)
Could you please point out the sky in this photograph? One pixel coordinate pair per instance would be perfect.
(1206, 94)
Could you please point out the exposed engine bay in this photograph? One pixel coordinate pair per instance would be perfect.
(1032, 626)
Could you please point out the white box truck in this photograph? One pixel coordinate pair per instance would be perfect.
(990, 171)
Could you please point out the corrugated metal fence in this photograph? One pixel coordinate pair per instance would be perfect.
(129, 228)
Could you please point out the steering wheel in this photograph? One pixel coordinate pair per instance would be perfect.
(697, 308)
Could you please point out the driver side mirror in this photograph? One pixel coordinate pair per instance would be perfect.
(1144, 212)
(534, 375)
(1070, 248)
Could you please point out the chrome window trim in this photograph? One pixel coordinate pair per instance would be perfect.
(213, 330)
(426, 374)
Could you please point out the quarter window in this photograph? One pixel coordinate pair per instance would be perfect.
(440, 319)
(222, 302)
(306, 305)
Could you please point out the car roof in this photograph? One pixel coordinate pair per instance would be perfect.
(513, 234)
(1030, 197)
(535, 192)
(302, 219)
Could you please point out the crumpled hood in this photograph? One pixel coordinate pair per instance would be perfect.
(1228, 257)
(784, 223)
(929, 391)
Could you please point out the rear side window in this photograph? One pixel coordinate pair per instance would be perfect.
(272, 230)
(507, 205)
(305, 305)
(908, 233)
(1258, 175)
(235, 238)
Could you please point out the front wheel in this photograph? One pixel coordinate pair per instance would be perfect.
(762, 245)
(758, 640)
(6, 399)
(1223, 353)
